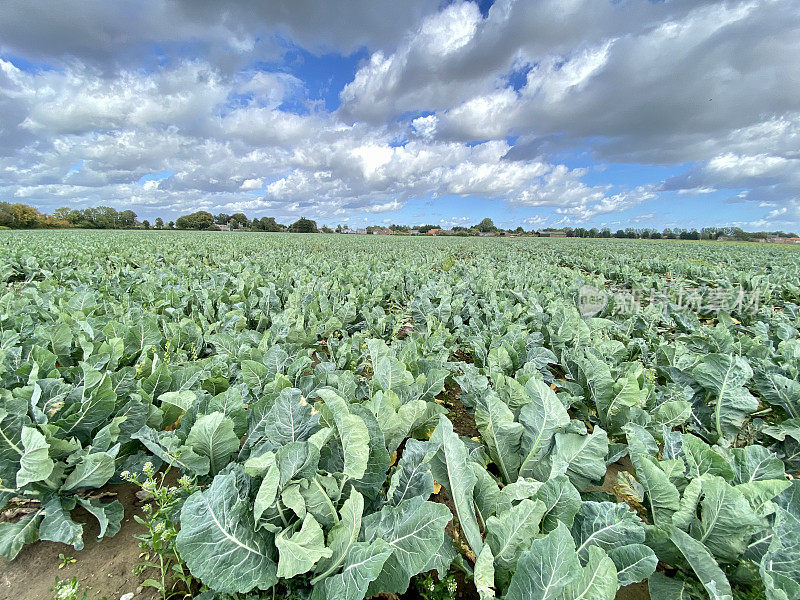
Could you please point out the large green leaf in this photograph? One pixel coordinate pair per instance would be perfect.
(542, 417)
(13, 536)
(598, 580)
(547, 568)
(255, 375)
(108, 515)
(93, 471)
(512, 531)
(607, 525)
(500, 433)
(450, 469)
(363, 564)
(212, 436)
(581, 457)
(725, 376)
(561, 501)
(268, 490)
(219, 542)
(484, 573)
(726, 520)
(781, 391)
(35, 462)
(700, 459)
(780, 565)
(756, 463)
(166, 446)
(413, 475)
(662, 587)
(290, 419)
(634, 562)
(662, 495)
(58, 526)
(343, 535)
(353, 433)
(703, 564)
(414, 531)
(299, 551)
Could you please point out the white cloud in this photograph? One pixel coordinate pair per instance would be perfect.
(252, 184)
(428, 114)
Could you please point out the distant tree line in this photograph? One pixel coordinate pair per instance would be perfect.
(23, 216)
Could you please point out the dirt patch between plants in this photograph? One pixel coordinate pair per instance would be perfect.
(105, 566)
(463, 421)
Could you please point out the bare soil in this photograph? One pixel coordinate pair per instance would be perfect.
(105, 566)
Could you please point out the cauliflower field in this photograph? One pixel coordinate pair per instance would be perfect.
(352, 415)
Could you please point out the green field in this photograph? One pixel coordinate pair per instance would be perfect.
(315, 391)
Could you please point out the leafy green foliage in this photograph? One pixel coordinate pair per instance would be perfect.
(319, 394)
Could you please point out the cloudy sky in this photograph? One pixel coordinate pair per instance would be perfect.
(639, 113)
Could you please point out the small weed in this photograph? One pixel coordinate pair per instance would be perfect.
(66, 560)
(158, 543)
(69, 589)
(431, 588)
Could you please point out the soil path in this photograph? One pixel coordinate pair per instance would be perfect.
(105, 566)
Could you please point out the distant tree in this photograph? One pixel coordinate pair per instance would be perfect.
(427, 228)
(371, 229)
(6, 215)
(102, 217)
(594, 232)
(303, 225)
(222, 219)
(519, 230)
(127, 219)
(171, 225)
(146, 224)
(197, 220)
(486, 226)
(24, 216)
(267, 224)
(620, 234)
(62, 213)
(239, 221)
(159, 223)
(326, 229)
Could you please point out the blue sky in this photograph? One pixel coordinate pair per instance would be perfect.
(531, 112)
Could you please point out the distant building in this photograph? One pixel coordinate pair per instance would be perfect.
(487, 234)
(434, 231)
(553, 233)
(413, 231)
(224, 227)
(385, 231)
(783, 240)
(361, 231)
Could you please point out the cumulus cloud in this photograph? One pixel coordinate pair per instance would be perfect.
(449, 101)
(110, 34)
